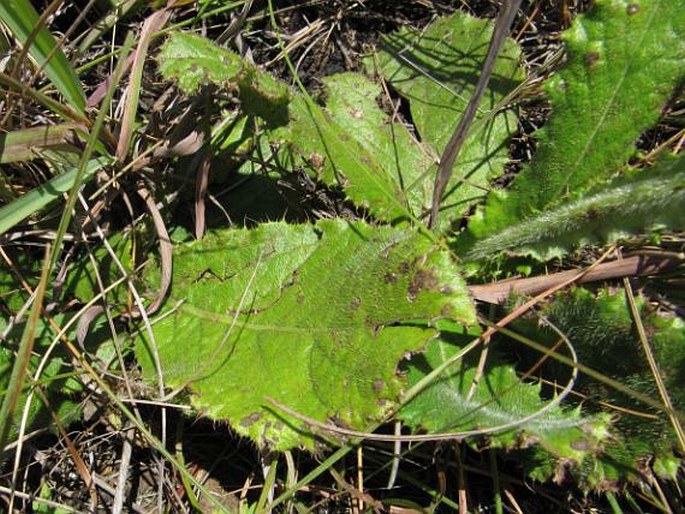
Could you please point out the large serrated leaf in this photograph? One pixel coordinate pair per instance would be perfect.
(350, 142)
(654, 197)
(624, 58)
(315, 317)
(501, 399)
(436, 69)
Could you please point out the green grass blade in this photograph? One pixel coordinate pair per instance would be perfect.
(21, 364)
(43, 195)
(21, 19)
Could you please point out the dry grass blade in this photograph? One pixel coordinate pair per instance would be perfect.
(615, 384)
(78, 461)
(165, 250)
(23, 145)
(65, 111)
(449, 156)
(654, 368)
(153, 24)
(201, 183)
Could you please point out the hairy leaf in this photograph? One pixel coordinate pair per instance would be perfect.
(601, 329)
(350, 142)
(501, 399)
(652, 197)
(436, 69)
(195, 61)
(617, 79)
(315, 317)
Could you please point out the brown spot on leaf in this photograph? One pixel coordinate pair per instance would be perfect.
(355, 303)
(378, 385)
(582, 445)
(317, 160)
(423, 280)
(373, 326)
(633, 8)
(250, 420)
(390, 278)
(591, 59)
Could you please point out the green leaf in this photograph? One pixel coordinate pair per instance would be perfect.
(436, 69)
(323, 140)
(195, 61)
(315, 317)
(601, 329)
(351, 143)
(264, 96)
(651, 198)
(21, 19)
(500, 399)
(617, 78)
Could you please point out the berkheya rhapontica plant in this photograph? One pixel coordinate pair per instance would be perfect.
(341, 321)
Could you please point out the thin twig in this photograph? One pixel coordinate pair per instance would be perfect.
(639, 265)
